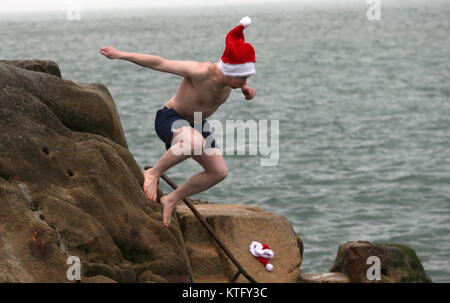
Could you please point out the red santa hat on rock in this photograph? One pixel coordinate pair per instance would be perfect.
(238, 59)
(262, 252)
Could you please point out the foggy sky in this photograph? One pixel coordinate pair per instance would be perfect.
(59, 5)
(62, 5)
(52, 5)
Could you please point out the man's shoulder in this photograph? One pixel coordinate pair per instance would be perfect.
(208, 66)
(205, 69)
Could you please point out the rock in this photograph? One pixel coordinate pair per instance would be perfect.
(398, 263)
(149, 277)
(238, 226)
(79, 107)
(43, 66)
(329, 277)
(69, 187)
(98, 279)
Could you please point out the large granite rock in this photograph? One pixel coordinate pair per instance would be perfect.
(44, 66)
(69, 187)
(81, 107)
(398, 263)
(238, 226)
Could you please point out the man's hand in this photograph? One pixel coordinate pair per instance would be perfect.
(248, 92)
(110, 52)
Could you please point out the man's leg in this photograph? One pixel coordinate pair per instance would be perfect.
(167, 160)
(215, 171)
(171, 157)
(186, 139)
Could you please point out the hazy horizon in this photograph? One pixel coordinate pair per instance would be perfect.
(30, 6)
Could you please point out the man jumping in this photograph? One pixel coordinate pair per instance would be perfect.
(204, 87)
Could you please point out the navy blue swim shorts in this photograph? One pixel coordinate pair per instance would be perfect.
(164, 120)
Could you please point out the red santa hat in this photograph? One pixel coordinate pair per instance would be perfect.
(238, 59)
(262, 252)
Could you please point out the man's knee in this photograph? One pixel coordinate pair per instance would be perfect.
(220, 174)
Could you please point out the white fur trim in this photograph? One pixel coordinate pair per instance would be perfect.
(246, 21)
(237, 70)
(257, 251)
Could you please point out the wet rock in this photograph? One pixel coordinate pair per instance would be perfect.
(398, 263)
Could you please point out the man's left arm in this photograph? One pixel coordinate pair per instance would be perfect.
(248, 92)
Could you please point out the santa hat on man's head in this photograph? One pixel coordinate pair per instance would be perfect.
(238, 59)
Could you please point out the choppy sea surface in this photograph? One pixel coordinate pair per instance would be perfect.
(363, 109)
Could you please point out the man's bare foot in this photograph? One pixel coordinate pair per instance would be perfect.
(150, 185)
(168, 207)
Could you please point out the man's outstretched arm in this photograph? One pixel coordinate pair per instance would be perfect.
(181, 68)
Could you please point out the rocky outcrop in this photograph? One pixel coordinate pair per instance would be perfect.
(80, 107)
(237, 226)
(44, 66)
(398, 263)
(364, 262)
(70, 187)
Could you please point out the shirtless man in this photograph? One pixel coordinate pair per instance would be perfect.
(204, 87)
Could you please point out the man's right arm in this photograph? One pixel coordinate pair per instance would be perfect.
(181, 68)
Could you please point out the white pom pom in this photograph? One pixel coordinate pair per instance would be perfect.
(246, 21)
(269, 267)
